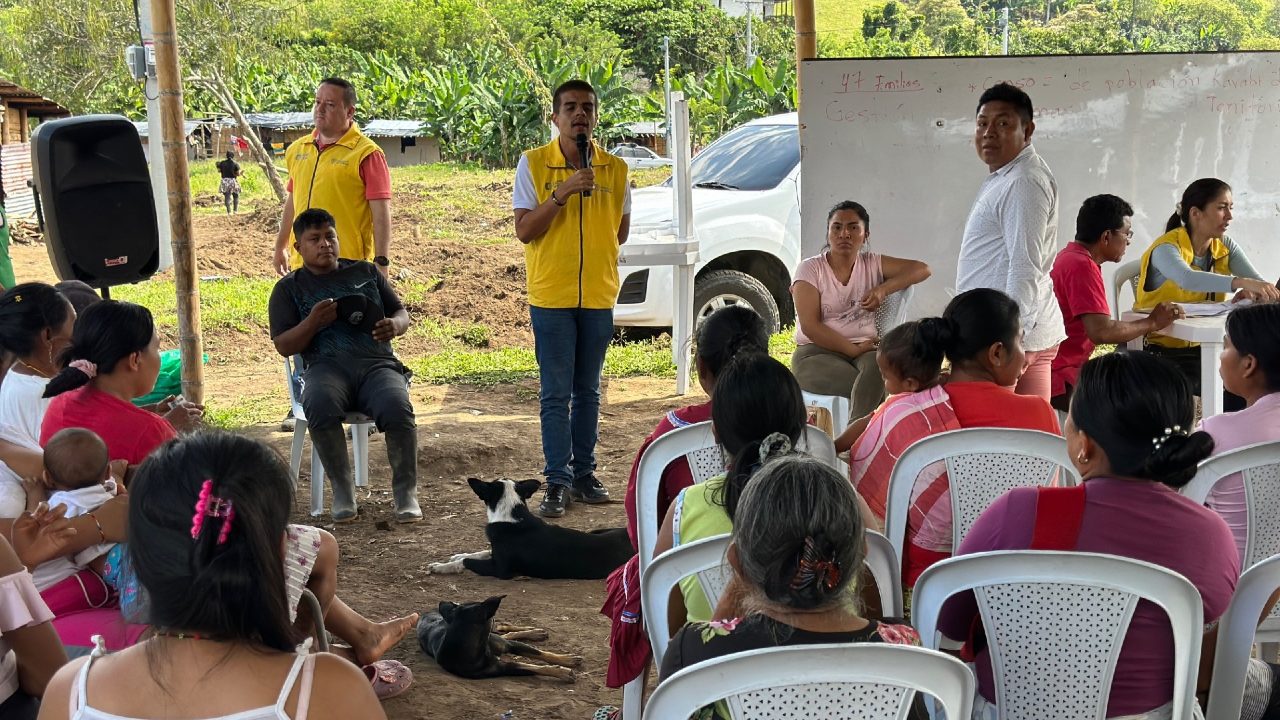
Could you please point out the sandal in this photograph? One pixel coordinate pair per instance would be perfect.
(388, 677)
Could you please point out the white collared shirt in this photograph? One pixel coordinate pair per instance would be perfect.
(1010, 241)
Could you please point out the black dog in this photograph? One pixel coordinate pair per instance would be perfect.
(523, 544)
(465, 641)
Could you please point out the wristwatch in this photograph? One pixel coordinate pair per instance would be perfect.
(381, 260)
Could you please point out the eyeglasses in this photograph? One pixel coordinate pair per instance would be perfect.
(1121, 231)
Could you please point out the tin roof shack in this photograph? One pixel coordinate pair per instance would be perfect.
(20, 109)
(276, 129)
(190, 133)
(404, 142)
(650, 133)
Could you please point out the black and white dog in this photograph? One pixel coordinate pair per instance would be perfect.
(521, 543)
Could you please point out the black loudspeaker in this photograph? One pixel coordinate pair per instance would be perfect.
(94, 189)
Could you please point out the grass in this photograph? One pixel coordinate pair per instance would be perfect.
(840, 21)
(244, 411)
(205, 180)
(230, 304)
(651, 357)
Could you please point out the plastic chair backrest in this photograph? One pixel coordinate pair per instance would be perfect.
(1236, 630)
(680, 442)
(862, 681)
(706, 558)
(820, 445)
(1126, 274)
(893, 311)
(883, 564)
(982, 464)
(1055, 623)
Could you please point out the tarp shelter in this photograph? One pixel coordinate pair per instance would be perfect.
(404, 142)
(19, 107)
(189, 127)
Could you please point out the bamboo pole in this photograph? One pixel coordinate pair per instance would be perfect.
(172, 114)
(806, 40)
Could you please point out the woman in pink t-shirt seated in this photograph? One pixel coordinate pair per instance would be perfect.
(114, 357)
(836, 295)
(1250, 368)
(1127, 435)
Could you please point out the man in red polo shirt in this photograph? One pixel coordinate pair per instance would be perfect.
(1103, 230)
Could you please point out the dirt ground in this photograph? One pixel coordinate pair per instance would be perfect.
(463, 432)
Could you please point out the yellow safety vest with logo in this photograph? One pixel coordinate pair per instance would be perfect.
(575, 262)
(1170, 292)
(330, 179)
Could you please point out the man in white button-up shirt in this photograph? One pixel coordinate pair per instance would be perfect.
(1011, 236)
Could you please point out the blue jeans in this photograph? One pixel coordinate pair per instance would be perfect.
(570, 344)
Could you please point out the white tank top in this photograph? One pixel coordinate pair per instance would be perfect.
(304, 664)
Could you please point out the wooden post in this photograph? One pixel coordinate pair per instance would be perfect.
(172, 114)
(806, 40)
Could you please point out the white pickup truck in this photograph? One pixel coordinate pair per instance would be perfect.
(746, 216)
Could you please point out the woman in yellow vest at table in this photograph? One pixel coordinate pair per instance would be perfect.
(1195, 262)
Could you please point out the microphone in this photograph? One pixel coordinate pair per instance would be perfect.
(584, 154)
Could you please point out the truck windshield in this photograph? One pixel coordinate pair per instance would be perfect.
(750, 157)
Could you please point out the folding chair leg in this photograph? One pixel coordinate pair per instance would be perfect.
(360, 454)
(295, 453)
(633, 696)
(317, 482)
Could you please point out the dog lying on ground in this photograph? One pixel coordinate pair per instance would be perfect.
(466, 641)
(521, 543)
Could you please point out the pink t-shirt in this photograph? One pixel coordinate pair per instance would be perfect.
(1257, 423)
(1176, 534)
(840, 309)
(1077, 283)
(130, 432)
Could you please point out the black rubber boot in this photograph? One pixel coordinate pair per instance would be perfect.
(331, 443)
(402, 455)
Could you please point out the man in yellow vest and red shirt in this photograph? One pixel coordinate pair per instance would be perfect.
(338, 169)
(571, 213)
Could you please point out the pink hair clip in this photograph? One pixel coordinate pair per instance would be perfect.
(210, 505)
(86, 367)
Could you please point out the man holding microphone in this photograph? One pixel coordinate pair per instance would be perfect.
(572, 206)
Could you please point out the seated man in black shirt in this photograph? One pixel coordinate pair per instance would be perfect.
(340, 315)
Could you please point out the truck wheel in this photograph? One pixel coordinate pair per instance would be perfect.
(723, 288)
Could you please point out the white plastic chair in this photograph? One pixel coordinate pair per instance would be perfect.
(1236, 629)
(359, 441)
(697, 444)
(1126, 274)
(849, 681)
(982, 464)
(1259, 467)
(891, 313)
(1055, 623)
(821, 446)
(886, 569)
(705, 558)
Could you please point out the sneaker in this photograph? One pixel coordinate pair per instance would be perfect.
(588, 489)
(288, 423)
(554, 501)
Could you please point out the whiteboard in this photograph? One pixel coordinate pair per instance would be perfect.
(896, 134)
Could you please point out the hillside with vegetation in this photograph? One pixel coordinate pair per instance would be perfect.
(479, 72)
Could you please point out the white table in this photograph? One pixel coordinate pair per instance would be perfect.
(682, 256)
(1208, 332)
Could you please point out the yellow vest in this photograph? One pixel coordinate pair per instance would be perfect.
(575, 262)
(330, 179)
(1168, 291)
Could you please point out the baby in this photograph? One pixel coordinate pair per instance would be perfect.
(908, 365)
(77, 468)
